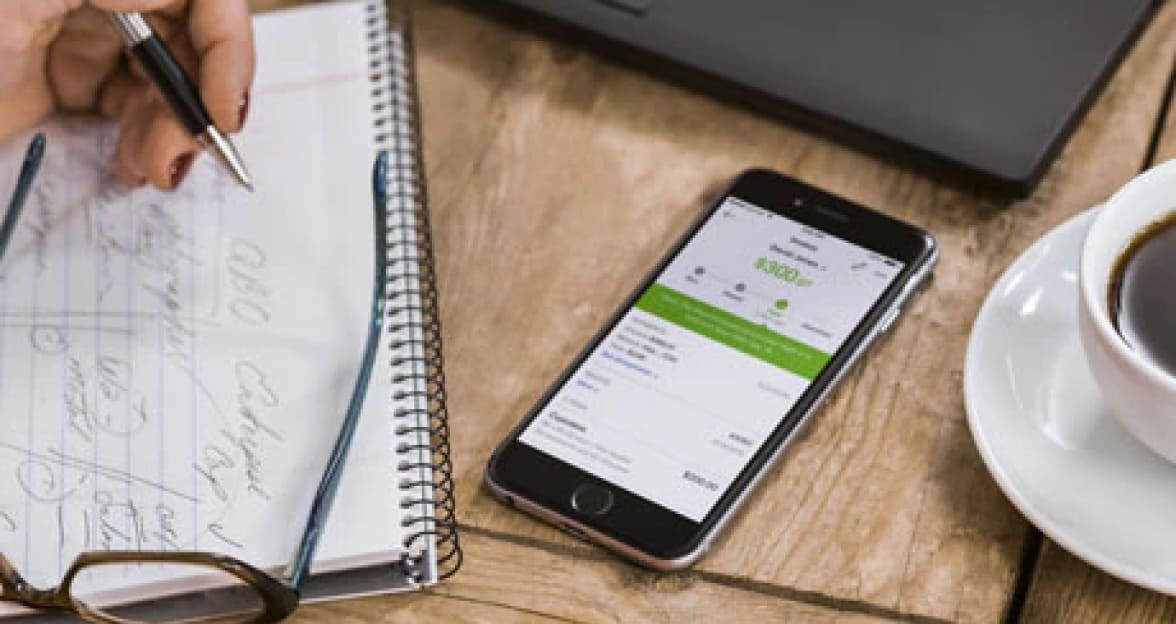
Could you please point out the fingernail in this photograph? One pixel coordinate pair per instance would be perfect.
(180, 168)
(244, 110)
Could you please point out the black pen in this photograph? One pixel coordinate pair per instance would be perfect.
(180, 92)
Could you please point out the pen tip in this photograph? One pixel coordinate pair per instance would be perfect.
(226, 153)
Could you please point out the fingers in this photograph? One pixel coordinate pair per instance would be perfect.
(139, 6)
(127, 167)
(26, 30)
(153, 146)
(217, 40)
(167, 149)
(222, 36)
(82, 58)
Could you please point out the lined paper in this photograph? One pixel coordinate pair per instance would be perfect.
(175, 367)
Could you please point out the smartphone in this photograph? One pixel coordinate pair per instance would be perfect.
(648, 443)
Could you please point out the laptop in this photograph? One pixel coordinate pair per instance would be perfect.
(983, 93)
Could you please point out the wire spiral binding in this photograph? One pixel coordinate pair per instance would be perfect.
(413, 317)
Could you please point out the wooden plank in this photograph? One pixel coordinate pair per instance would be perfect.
(1066, 589)
(557, 179)
(509, 582)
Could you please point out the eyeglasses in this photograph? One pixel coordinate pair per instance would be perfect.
(217, 588)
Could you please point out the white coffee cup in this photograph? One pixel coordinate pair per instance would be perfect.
(1139, 393)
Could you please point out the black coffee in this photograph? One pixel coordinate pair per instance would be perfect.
(1143, 293)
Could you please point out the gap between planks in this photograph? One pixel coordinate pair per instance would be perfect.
(785, 592)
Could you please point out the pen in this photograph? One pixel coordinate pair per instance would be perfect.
(180, 92)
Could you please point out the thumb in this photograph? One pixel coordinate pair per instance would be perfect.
(27, 27)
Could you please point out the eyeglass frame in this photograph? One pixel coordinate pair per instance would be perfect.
(280, 597)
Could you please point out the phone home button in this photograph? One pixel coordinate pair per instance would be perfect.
(592, 500)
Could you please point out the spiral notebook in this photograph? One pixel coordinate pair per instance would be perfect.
(175, 367)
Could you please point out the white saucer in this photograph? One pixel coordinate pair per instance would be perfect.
(1041, 428)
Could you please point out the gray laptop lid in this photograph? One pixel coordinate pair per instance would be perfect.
(988, 85)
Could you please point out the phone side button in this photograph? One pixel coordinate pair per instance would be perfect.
(592, 500)
(888, 320)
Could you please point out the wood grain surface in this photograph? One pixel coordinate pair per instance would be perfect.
(509, 581)
(557, 178)
(1066, 589)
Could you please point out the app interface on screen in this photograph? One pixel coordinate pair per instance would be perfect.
(685, 389)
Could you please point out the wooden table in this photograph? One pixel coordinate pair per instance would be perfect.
(557, 178)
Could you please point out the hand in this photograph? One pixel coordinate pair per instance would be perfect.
(66, 55)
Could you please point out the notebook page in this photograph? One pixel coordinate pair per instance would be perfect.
(174, 367)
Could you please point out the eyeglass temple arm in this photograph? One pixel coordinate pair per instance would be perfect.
(28, 173)
(321, 508)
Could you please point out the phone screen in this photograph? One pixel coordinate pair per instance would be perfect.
(680, 395)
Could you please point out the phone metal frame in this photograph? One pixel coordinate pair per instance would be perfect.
(882, 323)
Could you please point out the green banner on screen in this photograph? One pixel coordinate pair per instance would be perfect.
(735, 332)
